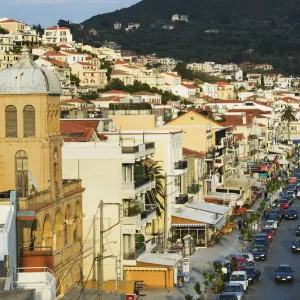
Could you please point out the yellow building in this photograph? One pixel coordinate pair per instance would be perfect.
(13, 26)
(8, 59)
(49, 218)
(225, 90)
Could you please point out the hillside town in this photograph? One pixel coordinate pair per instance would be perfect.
(119, 175)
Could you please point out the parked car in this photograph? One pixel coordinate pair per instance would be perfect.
(278, 211)
(253, 274)
(238, 263)
(236, 288)
(264, 242)
(226, 260)
(288, 198)
(272, 223)
(240, 277)
(284, 273)
(284, 204)
(274, 217)
(295, 245)
(259, 252)
(270, 232)
(260, 235)
(228, 296)
(298, 230)
(249, 257)
(291, 214)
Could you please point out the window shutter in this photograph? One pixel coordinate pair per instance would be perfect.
(29, 121)
(11, 121)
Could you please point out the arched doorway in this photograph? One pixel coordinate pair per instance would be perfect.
(68, 226)
(78, 222)
(59, 231)
(47, 232)
(35, 235)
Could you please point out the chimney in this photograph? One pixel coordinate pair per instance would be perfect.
(244, 119)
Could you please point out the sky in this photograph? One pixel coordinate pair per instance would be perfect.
(48, 12)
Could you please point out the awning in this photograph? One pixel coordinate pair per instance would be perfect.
(283, 162)
(148, 162)
(220, 223)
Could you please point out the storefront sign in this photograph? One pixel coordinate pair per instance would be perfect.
(186, 278)
(186, 269)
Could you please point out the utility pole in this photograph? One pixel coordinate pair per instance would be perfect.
(100, 255)
(94, 248)
(166, 213)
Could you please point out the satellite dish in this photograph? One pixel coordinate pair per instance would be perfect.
(33, 182)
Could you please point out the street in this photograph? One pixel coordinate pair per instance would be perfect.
(280, 253)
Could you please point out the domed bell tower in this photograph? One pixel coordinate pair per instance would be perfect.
(30, 141)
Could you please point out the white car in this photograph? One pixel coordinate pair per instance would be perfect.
(272, 223)
(250, 258)
(240, 277)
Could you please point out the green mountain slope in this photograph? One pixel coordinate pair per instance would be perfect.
(270, 27)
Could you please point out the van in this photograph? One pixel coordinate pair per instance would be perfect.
(238, 263)
(240, 277)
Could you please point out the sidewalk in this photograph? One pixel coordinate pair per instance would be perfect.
(201, 260)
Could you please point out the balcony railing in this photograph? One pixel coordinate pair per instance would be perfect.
(182, 199)
(150, 145)
(147, 213)
(141, 182)
(134, 255)
(181, 165)
(130, 149)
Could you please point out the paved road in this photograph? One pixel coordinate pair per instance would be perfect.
(280, 253)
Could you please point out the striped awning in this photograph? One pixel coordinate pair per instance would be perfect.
(188, 225)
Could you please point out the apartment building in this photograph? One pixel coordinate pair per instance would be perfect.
(13, 26)
(57, 35)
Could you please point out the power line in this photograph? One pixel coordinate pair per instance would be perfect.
(80, 252)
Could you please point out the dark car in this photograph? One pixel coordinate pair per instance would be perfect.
(228, 296)
(259, 252)
(298, 230)
(253, 274)
(261, 242)
(260, 235)
(295, 245)
(291, 214)
(288, 198)
(284, 273)
(278, 211)
(274, 217)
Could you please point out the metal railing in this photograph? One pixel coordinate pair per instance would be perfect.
(181, 165)
(141, 182)
(130, 149)
(150, 145)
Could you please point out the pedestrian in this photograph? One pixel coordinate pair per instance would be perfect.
(240, 224)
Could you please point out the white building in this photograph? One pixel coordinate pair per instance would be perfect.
(210, 90)
(187, 91)
(8, 238)
(7, 43)
(57, 35)
(195, 66)
(117, 25)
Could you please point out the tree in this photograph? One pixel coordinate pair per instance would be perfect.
(89, 96)
(198, 290)
(183, 71)
(155, 173)
(74, 78)
(288, 115)
(56, 48)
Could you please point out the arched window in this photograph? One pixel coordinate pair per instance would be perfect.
(11, 121)
(22, 174)
(29, 121)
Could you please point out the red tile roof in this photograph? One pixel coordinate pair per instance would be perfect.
(11, 21)
(84, 64)
(75, 100)
(120, 62)
(53, 53)
(222, 83)
(290, 100)
(197, 154)
(189, 86)
(115, 92)
(57, 28)
(74, 52)
(92, 123)
(103, 99)
(234, 120)
(119, 72)
(249, 111)
(173, 75)
(238, 137)
(55, 62)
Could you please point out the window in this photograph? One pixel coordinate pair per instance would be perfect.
(11, 121)
(29, 121)
(22, 173)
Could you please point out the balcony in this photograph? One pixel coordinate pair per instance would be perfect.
(134, 255)
(180, 167)
(182, 199)
(130, 189)
(252, 137)
(228, 175)
(210, 154)
(132, 153)
(225, 141)
(35, 201)
(193, 189)
(221, 161)
(132, 220)
(148, 215)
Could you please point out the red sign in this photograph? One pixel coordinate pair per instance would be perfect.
(130, 297)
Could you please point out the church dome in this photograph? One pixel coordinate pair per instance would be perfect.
(27, 78)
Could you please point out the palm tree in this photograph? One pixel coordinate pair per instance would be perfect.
(155, 173)
(288, 115)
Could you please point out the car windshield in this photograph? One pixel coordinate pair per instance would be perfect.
(233, 288)
(237, 278)
(259, 242)
(284, 269)
(257, 249)
(283, 201)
